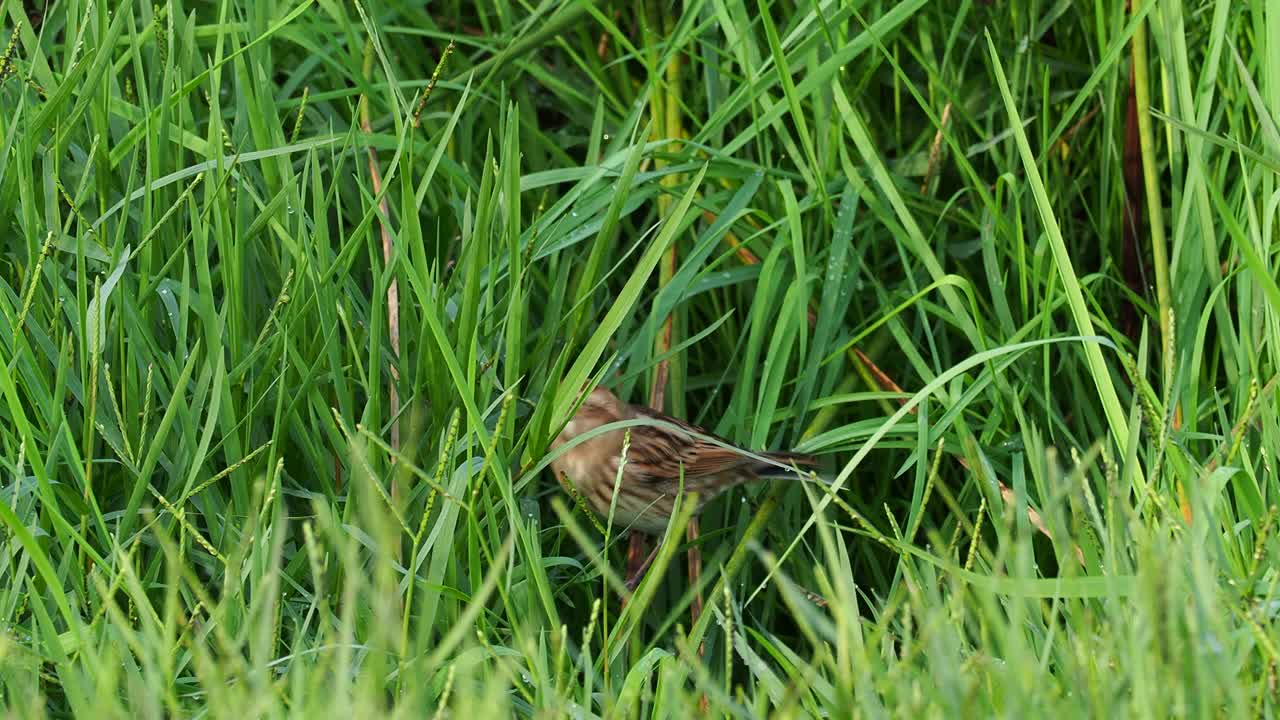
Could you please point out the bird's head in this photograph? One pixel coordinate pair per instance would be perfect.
(598, 408)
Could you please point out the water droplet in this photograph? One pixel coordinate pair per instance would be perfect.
(606, 136)
(574, 213)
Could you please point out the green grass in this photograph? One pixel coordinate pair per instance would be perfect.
(225, 494)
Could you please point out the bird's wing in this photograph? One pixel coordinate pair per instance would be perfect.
(657, 453)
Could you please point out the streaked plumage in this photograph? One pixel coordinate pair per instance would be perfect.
(651, 478)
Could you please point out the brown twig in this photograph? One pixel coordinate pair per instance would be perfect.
(882, 378)
(393, 290)
(1036, 521)
(602, 47)
(1062, 144)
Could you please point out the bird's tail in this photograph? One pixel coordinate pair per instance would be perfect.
(786, 465)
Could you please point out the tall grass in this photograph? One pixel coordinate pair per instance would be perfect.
(913, 238)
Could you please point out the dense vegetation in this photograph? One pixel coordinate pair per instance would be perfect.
(296, 293)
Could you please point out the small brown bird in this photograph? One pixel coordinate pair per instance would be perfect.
(651, 477)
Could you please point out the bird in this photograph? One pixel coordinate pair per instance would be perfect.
(651, 475)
